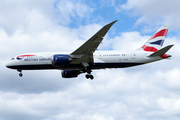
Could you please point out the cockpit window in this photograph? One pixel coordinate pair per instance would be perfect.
(12, 59)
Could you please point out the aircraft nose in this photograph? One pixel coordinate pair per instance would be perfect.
(9, 65)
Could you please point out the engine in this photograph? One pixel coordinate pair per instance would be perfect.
(60, 60)
(70, 73)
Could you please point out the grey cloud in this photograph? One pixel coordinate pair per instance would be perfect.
(33, 16)
(161, 12)
(18, 14)
(66, 10)
(117, 94)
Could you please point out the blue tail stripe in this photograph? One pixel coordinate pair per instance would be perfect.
(159, 42)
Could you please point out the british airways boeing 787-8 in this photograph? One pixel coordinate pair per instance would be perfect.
(86, 58)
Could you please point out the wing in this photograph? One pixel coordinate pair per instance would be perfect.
(84, 54)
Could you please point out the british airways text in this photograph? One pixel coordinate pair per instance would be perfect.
(37, 59)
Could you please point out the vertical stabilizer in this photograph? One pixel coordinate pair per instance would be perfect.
(156, 41)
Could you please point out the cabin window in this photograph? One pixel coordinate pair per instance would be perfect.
(12, 59)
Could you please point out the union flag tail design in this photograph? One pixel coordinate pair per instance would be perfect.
(156, 41)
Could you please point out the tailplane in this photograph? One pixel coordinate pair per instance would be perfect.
(162, 52)
(156, 41)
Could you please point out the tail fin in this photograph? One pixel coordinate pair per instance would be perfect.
(156, 41)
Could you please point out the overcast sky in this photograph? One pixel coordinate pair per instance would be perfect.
(147, 92)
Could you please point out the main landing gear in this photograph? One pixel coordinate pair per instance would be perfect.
(89, 75)
(20, 74)
(88, 70)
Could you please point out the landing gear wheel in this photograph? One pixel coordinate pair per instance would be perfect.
(89, 76)
(20, 74)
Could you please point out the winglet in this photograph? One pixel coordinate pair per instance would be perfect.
(105, 29)
(161, 52)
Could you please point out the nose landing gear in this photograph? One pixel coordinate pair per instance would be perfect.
(20, 74)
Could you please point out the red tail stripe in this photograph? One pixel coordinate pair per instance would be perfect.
(160, 33)
(149, 49)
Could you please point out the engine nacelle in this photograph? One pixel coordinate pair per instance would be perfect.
(70, 73)
(60, 60)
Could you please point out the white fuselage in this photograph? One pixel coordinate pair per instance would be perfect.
(102, 59)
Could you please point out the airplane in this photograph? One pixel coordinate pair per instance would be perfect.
(86, 58)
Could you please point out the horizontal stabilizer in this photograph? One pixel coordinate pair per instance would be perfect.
(161, 51)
